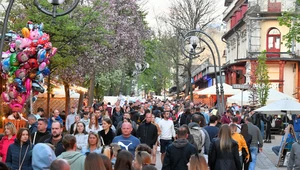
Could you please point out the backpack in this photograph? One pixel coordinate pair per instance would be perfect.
(199, 137)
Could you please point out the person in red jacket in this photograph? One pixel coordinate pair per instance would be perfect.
(226, 118)
(8, 138)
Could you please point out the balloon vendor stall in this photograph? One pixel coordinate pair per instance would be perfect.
(24, 65)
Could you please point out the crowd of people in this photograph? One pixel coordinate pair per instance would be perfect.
(128, 136)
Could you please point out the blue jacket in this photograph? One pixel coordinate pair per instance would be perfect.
(33, 128)
(58, 118)
(13, 155)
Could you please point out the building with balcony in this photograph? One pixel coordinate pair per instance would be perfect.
(252, 27)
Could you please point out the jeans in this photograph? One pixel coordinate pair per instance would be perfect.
(253, 151)
(276, 149)
(297, 135)
(262, 128)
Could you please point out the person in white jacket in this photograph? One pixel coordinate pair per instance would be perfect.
(81, 136)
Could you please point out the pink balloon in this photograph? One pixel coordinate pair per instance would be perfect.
(22, 57)
(13, 93)
(15, 106)
(42, 66)
(28, 85)
(34, 34)
(20, 73)
(25, 42)
(53, 52)
(5, 97)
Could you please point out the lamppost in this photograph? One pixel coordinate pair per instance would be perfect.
(192, 40)
(54, 14)
(139, 68)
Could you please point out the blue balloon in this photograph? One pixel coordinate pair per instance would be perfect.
(46, 71)
(18, 81)
(6, 64)
(21, 88)
(41, 55)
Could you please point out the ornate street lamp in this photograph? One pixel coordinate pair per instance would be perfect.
(53, 13)
(189, 45)
(55, 4)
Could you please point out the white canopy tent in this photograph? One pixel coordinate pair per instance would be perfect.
(281, 107)
(274, 95)
(228, 90)
(60, 93)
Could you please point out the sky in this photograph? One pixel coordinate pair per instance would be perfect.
(161, 8)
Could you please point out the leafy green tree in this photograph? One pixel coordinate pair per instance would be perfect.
(291, 19)
(262, 79)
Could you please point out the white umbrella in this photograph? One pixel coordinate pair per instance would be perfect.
(281, 106)
(274, 95)
(228, 90)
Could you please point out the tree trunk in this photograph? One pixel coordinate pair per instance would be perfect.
(48, 94)
(122, 83)
(67, 97)
(80, 102)
(177, 79)
(91, 89)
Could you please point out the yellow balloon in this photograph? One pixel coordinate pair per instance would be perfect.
(25, 32)
(10, 80)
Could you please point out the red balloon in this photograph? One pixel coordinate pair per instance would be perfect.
(33, 63)
(44, 39)
(30, 51)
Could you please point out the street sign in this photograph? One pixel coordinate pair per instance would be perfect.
(240, 86)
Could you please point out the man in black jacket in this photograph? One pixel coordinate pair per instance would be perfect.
(56, 138)
(147, 132)
(41, 134)
(179, 152)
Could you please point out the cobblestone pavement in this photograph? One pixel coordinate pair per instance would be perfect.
(265, 160)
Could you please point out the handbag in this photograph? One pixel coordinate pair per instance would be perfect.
(244, 154)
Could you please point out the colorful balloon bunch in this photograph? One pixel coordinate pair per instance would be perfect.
(24, 65)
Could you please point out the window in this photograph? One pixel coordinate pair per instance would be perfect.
(273, 42)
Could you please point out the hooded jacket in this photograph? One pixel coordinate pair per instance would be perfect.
(294, 161)
(16, 152)
(75, 159)
(42, 157)
(178, 155)
(33, 128)
(206, 140)
(4, 144)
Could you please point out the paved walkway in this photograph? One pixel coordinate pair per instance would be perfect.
(265, 160)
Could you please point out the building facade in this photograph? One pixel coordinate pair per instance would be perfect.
(252, 27)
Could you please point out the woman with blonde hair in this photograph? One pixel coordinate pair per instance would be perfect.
(93, 144)
(94, 125)
(197, 162)
(224, 153)
(8, 138)
(141, 158)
